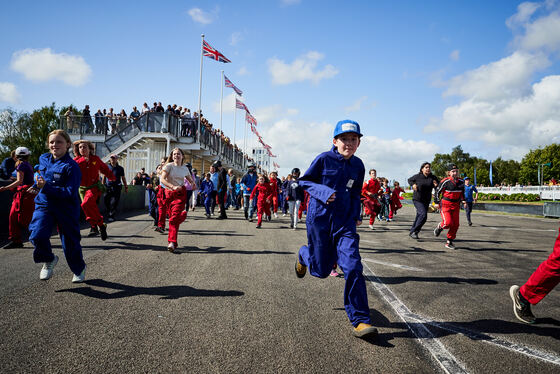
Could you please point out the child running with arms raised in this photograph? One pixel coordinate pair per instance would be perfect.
(334, 182)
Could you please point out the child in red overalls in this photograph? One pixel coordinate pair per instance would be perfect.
(274, 190)
(395, 202)
(264, 198)
(370, 191)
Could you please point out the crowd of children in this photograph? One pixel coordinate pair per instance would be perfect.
(332, 192)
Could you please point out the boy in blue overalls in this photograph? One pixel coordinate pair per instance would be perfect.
(334, 182)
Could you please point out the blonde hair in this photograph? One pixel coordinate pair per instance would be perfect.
(62, 133)
(77, 147)
(170, 158)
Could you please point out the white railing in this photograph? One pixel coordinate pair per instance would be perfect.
(545, 192)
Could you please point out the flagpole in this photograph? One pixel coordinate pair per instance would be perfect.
(200, 85)
(221, 98)
(234, 119)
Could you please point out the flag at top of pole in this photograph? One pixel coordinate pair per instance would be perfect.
(213, 53)
(230, 84)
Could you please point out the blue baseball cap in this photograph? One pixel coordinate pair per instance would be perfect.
(345, 126)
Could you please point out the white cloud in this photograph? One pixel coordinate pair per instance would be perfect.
(297, 143)
(41, 65)
(524, 13)
(454, 55)
(504, 78)
(301, 69)
(243, 71)
(357, 105)
(200, 16)
(236, 37)
(9, 93)
(228, 103)
(543, 33)
(501, 104)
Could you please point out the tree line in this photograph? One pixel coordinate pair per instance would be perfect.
(504, 172)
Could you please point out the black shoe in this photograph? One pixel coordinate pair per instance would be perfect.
(13, 245)
(470, 223)
(103, 231)
(160, 230)
(258, 226)
(246, 215)
(207, 216)
(300, 269)
(521, 307)
(414, 235)
(94, 231)
(437, 230)
(449, 244)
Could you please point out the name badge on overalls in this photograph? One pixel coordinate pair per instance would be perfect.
(56, 177)
(350, 183)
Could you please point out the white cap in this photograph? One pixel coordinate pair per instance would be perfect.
(22, 151)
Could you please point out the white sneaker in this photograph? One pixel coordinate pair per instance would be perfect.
(171, 247)
(371, 227)
(283, 215)
(47, 270)
(275, 215)
(79, 278)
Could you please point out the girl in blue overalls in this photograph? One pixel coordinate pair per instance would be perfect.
(57, 203)
(334, 183)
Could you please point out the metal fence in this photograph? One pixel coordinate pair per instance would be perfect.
(116, 130)
(114, 124)
(545, 192)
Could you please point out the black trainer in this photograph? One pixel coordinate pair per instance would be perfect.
(94, 231)
(437, 230)
(11, 245)
(449, 244)
(103, 231)
(414, 235)
(521, 307)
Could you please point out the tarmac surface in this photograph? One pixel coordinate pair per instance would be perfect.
(228, 301)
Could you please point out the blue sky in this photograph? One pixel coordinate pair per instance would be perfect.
(420, 77)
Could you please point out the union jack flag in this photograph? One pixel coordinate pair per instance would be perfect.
(240, 105)
(250, 119)
(229, 84)
(214, 54)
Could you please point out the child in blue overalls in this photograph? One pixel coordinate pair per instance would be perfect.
(334, 183)
(206, 189)
(57, 202)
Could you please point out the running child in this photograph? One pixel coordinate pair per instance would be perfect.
(295, 197)
(275, 190)
(206, 188)
(23, 202)
(370, 193)
(334, 182)
(57, 203)
(173, 176)
(264, 198)
(395, 202)
(161, 199)
(91, 187)
(385, 200)
(449, 194)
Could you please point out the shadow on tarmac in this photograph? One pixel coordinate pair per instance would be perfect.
(451, 280)
(412, 250)
(166, 292)
(229, 251)
(212, 233)
(475, 330)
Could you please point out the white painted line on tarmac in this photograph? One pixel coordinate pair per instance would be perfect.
(446, 360)
(474, 335)
(416, 324)
(404, 267)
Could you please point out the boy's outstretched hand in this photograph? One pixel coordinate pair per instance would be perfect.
(358, 223)
(331, 199)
